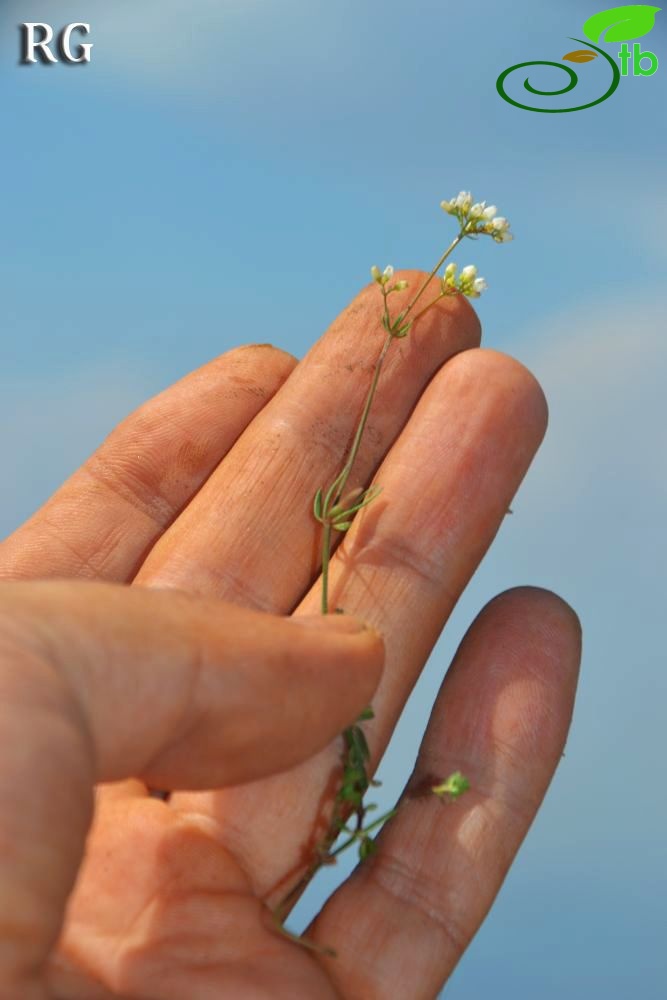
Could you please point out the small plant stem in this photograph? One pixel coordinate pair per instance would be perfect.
(371, 826)
(346, 471)
(450, 249)
(340, 482)
(426, 308)
(326, 557)
(354, 450)
(303, 942)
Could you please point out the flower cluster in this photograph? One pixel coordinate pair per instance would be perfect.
(478, 218)
(384, 277)
(467, 282)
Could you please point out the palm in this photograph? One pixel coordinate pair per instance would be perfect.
(161, 905)
(209, 489)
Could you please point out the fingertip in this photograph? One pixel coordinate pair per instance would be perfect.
(260, 362)
(354, 647)
(554, 623)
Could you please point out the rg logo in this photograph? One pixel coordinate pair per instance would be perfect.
(36, 39)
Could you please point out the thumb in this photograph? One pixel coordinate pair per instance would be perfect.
(181, 691)
(100, 682)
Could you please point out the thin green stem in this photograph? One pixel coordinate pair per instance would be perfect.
(450, 249)
(326, 556)
(342, 478)
(356, 444)
(429, 306)
(358, 833)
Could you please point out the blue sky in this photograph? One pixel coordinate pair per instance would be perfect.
(219, 159)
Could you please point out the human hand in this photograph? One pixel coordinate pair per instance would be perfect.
(100, 683)
(166, 905)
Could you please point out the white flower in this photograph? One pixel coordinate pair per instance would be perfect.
(383, 278)
(477, 218)
(450, 270)
(500, 230)
(469, 283)
(463, 202)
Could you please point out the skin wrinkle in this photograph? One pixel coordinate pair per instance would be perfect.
(410, 886)
(116, 474)
(84, 565)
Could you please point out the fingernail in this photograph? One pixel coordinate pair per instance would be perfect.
(345, 624)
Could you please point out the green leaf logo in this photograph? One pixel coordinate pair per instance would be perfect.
(624, 23)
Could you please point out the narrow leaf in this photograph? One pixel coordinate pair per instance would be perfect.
(360, 744)
(331, 492)
(366, 848)
(342, 525)
(317, 505)
(623, 23)
(341, 515)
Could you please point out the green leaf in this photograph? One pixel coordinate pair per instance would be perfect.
(367, 499)
(342, 525)
(366, 848)
(359, 742)
(367, 713)
(317, 506)
(624, 23)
